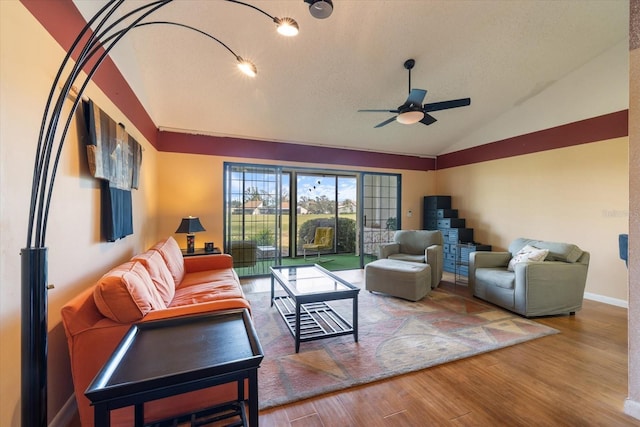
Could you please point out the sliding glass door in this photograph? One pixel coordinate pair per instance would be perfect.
(269, 214)
(326, 200)
(254, 216)
(380, 214)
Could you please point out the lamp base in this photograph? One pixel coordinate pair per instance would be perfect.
(191, 243)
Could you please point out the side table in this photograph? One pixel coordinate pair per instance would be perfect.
(162, 358)
(200, 251)
(462, 259)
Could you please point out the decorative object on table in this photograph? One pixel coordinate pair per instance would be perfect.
(208, 247)
(190, 225)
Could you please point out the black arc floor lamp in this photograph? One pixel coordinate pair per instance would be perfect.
(88, 50)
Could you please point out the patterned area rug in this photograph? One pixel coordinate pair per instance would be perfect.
(395, 337)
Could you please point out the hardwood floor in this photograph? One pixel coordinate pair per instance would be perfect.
(575, 378)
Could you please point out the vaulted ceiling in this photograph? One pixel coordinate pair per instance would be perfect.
(526, 65)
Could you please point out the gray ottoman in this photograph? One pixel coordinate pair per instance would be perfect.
(408, 280)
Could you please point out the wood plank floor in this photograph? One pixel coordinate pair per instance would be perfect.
(575, 378)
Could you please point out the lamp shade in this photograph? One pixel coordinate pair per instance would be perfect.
(190, 225)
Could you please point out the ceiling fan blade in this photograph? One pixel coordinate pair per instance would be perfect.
(428, 119)
(444, 105)
(416, 96)
(386, 122)
(378, 111)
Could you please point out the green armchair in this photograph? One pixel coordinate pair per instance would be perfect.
(422, 246)
(551, 286)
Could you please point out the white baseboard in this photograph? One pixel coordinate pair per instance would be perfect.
(632, 408)
(65, 415)
(607, 300)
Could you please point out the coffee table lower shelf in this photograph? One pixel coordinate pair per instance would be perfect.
(318, 320)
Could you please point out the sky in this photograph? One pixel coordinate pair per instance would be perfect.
(326, 187)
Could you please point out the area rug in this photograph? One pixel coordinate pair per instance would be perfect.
(395, 337)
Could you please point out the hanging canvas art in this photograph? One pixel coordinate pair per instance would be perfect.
(114, 157)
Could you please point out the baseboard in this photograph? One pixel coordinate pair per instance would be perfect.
(632, 408)
(65, 414)
(607, 300)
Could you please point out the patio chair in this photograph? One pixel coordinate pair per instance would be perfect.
(322, 240)
(244, 253)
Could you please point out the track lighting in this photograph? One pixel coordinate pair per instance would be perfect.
(247, 67)
(320, 9)
(286, 26)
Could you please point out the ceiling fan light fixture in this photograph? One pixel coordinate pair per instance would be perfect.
(320, 9)
(410, 117)
(287, 26)
(247, 67)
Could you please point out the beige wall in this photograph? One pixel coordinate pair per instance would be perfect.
(77, 256)
(191, 184)
(577, 194)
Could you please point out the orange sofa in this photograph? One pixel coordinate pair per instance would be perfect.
(156, 284)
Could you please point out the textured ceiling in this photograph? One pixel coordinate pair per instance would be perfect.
(526, 65)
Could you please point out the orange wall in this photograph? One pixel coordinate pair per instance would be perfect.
(191, 184)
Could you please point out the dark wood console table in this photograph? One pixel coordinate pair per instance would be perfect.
(166, 357)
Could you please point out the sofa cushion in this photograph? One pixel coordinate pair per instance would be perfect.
(126, 293)
(495, 277)
(205, 286)
(408, 257)
(172, 256)
(528, 253)
(159, 273)
(566, 252)
(414, 242)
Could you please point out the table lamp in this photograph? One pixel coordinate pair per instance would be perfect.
(190, 225)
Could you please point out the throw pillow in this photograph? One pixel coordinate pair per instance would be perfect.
(159, 273)
(126, 293)
(172, 256)
(528, 253)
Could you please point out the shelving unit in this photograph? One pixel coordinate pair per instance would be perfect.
(462, 251)
(458, 239)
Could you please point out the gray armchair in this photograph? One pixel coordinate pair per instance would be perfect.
(534, 288)
(424, 246)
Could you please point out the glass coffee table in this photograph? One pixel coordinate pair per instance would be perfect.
(304, 308)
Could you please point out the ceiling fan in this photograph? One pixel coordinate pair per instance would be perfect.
(412, 111)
